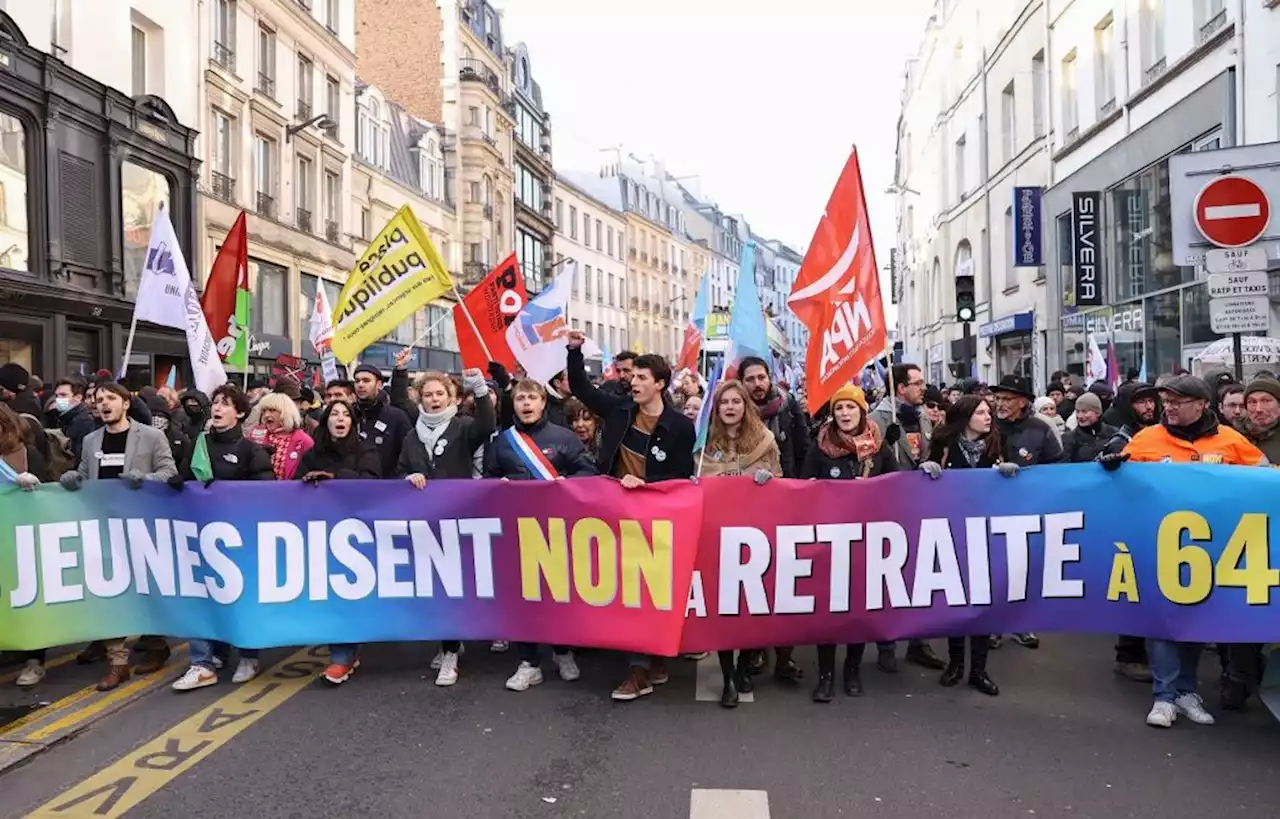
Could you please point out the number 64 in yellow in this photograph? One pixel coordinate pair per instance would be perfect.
(1244, 564)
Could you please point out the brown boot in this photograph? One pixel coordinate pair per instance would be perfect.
(152, 660)
(117, 675)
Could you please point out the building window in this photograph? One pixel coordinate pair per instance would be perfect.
(224, 33)
(586, 229)
(332, 196)
(220, 160)
(13, 194)
(609, 244)
(600, 294)
(961, 190)
(1070, 103)
(266, 61)
(138, 45)
(599, 236)
(530, 251)
(331, 15)
(142, 190)
(264, 175)
(613, 290)
(528, 188)
(573, 222)
(366, 226)
(333, 101)
(1039, 86)
(1143, 233)
(586, 283)
(306, 93)
(1104, 41)
(269, 314)
(1010, 272)
(559, 213)
(1151, 38)
(303, 184)
(1009, 122)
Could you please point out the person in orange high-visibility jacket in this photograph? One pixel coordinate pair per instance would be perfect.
(1189, 432)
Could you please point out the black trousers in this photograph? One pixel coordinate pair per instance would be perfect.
(978, 649)
(1131, 649)
(528, 652)
(451, 646)
(1242, 663)
(852, 656)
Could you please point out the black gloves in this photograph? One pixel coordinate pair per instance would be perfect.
(499, 374)
(1111, 461)
(892, 433)
(176, 483)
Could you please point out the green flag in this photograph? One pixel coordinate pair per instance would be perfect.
(200, 466)
(239, 357)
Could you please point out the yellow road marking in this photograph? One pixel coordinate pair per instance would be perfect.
(5, 679)
(124, 784)
(36, 716)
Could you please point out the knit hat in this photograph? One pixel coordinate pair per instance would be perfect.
(1263, 385)
(850, 392)
(932, 395)
(370, 369)
(1089, 402)
(14, 377)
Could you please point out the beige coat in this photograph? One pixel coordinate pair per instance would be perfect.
(764, 457)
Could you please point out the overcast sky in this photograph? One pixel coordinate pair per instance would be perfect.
(756, 98)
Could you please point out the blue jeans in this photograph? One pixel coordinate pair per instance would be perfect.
(343, 653)
(203, 651)
(1173, 668)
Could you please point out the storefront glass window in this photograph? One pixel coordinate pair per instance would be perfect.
(269, 314)
(1164, 347)
(1195, 316)
(1143, 234)
(1120, 328)
(142, 190)
(1014, 355)
(529, 251)
(13, 193)
(1066, 261)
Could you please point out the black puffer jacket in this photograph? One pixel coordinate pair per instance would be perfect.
(232, 457)
(1029, 440)
(789, 428)
(179, 442)
(193, 425)
(76, 423)
(1084, 444)
(454, 452)
(950, 456)
(385, 427)
(818, 464)
(671, 444)
(356, 459)
(561, 446)
(1126, 424)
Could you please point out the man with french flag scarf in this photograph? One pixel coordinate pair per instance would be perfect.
(534, 449)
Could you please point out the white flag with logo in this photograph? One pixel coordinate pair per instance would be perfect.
(1095, 369)
(321, 333)
(167, 297)
(539, 335)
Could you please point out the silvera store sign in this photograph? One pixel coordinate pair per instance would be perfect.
(1086, 254)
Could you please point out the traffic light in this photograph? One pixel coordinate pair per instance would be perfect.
(966, 305)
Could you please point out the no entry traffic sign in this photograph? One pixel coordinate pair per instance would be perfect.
(1232, 211)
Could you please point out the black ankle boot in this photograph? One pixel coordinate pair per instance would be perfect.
(826, 689)
(852, 681)
(982, 682)
(786, 669)
(953, 675)
(729, 696)
(742, 680)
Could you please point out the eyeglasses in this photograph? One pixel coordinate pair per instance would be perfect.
(933, 405)
(1179, 403)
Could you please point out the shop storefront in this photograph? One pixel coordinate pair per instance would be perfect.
(82, 169)
(1154, 313)
(1012, 340)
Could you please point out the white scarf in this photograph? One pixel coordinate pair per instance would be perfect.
(431, 425)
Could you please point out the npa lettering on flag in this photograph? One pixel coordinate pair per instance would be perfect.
(837, 292)
(493, 305)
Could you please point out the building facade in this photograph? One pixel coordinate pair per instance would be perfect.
(531, 153)
(787, 262)
(84, 163)
(1133, 84)
(278, 130)
(399, 161)
(591, 234)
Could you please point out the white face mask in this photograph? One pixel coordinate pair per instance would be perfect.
(62, 404)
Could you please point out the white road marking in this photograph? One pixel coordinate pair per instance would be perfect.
(711, 681)
(727, 804)
(1233, 211)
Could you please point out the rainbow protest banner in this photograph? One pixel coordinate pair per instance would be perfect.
(1160, 550)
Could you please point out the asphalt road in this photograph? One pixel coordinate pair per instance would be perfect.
(1065, 739)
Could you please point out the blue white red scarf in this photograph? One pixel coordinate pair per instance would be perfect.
(537, 463)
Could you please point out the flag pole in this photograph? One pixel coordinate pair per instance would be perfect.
(128, 345)
(427, 331)
(488, 356)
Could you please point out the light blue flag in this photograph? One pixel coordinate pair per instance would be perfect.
(701, 307)
(747, 332)
(172, 381)
(704, 417)
(1142, 370)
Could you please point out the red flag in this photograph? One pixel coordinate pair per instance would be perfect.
(493, 304)
(230, 272)
(837, 292)
(689, 351)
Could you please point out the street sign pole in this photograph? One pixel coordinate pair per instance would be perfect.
(1238, 301)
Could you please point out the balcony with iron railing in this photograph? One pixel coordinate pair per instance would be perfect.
(302, 217)
(224, 56)
(266, 85)
(635, 302)
(488, 212)
(666, 267)
(1154, 73)
(223, 186)
(331, 230)
(474, 272)
(644, 257)
(265, 204)
(1212, 25)
(303, 111)
(631, 251)
(473, 70)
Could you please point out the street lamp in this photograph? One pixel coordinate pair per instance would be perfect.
(325, 122)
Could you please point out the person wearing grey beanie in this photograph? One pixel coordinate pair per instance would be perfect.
(1090, 436)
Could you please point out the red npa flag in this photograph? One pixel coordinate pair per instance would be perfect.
(837, 292)
(689, 351)
(229, 273)
(493, 304)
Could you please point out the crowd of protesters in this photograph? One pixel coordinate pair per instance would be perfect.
(637, 427)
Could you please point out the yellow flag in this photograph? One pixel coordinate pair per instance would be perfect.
(399, 274)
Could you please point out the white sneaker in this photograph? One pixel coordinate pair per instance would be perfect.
(567, 666)
(245, 671)
(448, 669)
(500, 646)
(1163, 715)
(1192, 707)
(439, 658)
(525, 676)
(217, 663)
(31, 674)
(197, 676)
